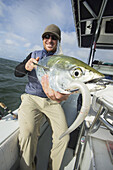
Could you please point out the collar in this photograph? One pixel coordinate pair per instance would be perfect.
(48, 53)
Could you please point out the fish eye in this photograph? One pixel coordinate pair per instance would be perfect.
(76, 72)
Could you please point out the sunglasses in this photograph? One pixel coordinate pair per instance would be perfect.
(47, 36)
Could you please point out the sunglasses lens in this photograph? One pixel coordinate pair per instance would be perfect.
(54, 37)
(47, 36)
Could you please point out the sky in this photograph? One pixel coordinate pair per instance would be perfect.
(22, 23)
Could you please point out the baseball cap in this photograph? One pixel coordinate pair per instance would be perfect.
(53, 29)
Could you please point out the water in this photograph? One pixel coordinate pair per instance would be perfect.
(11, 87)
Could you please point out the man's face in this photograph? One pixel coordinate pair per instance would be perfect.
(50, 42)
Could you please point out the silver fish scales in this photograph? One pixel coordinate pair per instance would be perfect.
(66, 74)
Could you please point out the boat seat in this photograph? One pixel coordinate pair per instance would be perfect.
(8, 142)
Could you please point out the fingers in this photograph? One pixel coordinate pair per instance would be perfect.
(60, 96)
(45, 85)
(29, 65)
(53, 95)
(37, 59)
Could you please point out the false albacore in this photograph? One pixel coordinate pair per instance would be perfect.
(64, 70)
(66, 74)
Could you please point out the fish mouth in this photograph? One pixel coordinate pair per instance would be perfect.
(94, 80)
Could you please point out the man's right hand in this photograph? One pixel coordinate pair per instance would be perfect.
(51, 94)
(29, 66)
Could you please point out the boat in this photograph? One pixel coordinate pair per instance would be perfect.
(91, 144)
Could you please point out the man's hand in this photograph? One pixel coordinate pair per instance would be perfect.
(29, 65)
(53, 95)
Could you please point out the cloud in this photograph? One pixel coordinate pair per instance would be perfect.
(27, 45)
(22, 23)
(70, 46)
(10, 42)
(31, 17)
(2, 6)
(11, 36)
(25, 20)
(17, 37)
(69, 38)
(34, 48)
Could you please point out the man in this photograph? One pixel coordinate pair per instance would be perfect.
(40, 100)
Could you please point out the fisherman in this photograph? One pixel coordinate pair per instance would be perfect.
(37, 101)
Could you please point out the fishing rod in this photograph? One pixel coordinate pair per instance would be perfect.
(44, 67)
(2, 105)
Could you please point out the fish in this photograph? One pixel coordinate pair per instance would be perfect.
(67, 75)
(64, 70)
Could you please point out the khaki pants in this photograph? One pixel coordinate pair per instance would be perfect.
(30, 116)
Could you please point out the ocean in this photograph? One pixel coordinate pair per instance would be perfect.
(11, 87)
